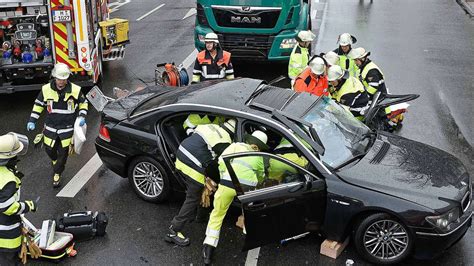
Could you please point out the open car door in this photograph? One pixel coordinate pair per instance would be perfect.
(287, 202)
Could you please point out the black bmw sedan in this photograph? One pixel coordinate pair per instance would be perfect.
(393, 196)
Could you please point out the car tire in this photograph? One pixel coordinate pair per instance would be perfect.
(148, 179)
(382, 239)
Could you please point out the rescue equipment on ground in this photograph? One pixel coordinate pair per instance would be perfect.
(83, 225)
(171, 75)
(60, 244)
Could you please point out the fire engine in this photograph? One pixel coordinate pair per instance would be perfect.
(36, 34)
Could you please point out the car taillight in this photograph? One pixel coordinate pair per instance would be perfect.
(104, 133)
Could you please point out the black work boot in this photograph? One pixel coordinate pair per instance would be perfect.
(176, 237)
(207, 251)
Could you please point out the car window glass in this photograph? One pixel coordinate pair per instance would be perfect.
(261, 171)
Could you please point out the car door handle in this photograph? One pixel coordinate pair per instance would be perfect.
(258, 205)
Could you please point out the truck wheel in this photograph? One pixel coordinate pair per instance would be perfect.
(381, 239)
(149, 180)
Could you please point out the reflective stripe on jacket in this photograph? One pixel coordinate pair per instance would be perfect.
(372, 80)
(307, 82)
(353, 95)
(298, 61)
(10, 210)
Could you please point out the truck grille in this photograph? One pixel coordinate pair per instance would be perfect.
(246, 17)
(246, 46)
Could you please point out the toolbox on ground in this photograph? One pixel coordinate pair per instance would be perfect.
(83, 225)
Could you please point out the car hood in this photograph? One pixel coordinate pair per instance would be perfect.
(410, 170)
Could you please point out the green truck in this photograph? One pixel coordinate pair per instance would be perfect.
(253, 30)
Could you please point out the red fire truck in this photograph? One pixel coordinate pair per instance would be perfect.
(36, 34)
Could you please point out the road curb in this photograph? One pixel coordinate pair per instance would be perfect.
(468, 7)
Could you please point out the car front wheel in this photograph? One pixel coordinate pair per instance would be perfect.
(381, 239)
(148, 179)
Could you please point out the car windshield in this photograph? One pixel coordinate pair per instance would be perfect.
(343, 136)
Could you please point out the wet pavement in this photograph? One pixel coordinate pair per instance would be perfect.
(422, 47)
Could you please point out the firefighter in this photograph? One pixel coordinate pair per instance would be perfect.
(194, 159)
(212, 62)
(249, 170)
(331, 58)
(64, 103)
(345, 42)
(285, 149)
(313, 79)
(299, 57)
(370, 74)
(348, 91)
(193, 120)
(11, 146)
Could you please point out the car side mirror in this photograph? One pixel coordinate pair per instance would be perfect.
(308, 184)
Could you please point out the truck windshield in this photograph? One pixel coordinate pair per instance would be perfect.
(343, 136)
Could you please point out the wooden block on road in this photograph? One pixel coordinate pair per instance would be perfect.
(333, 249)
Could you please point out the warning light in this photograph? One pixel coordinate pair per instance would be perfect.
(83, 49)
(84, 54)
(84, 60)
(83, 73)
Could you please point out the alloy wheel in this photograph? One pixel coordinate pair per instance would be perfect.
(386, 239)
(148, 179)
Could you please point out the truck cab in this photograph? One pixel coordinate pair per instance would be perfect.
(253, 30)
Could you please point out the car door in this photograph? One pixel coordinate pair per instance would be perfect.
(282, 205)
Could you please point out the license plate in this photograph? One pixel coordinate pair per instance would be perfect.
(61, 15)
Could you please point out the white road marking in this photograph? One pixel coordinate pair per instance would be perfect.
(81, 178)
(190, 59)
(252, 257)
(190, 13)
(153, 10)
(115, 5)
(313, 14)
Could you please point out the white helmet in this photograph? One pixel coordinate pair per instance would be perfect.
(61, 71)
(258, 138)
(230, 125)
(211, 37)
(346, 39)
(13, 144)
(358, 53)
(335, 73)
(317, 66)
(306, 36)
(331, 58)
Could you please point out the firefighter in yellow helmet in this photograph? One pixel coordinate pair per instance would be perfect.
(212, 62)
(11, 146)
(64, 103)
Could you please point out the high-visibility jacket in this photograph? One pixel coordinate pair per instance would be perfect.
(193, 120)
(207, 68)
(62, 106)
(372, 78)
(10, 210)
(353, 95)
(299, 59)
(278, 169)
(308, 82)
(197, 151)
(250, 170)
(346, 63)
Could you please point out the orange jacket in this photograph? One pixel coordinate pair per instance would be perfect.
(201, 57)
(307, 82)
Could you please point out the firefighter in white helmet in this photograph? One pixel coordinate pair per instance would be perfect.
(345, 42)
(331, 58)
(212, 62)
(313, 79)
(12, 145)
(300, 55)
(348, 91)
(64, 103)
(370, 74)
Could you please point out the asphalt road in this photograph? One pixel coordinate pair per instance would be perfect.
(422, 47)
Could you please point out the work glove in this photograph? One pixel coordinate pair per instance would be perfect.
(82, 121)
(30, 126)
(32, 205)
(209, 187)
